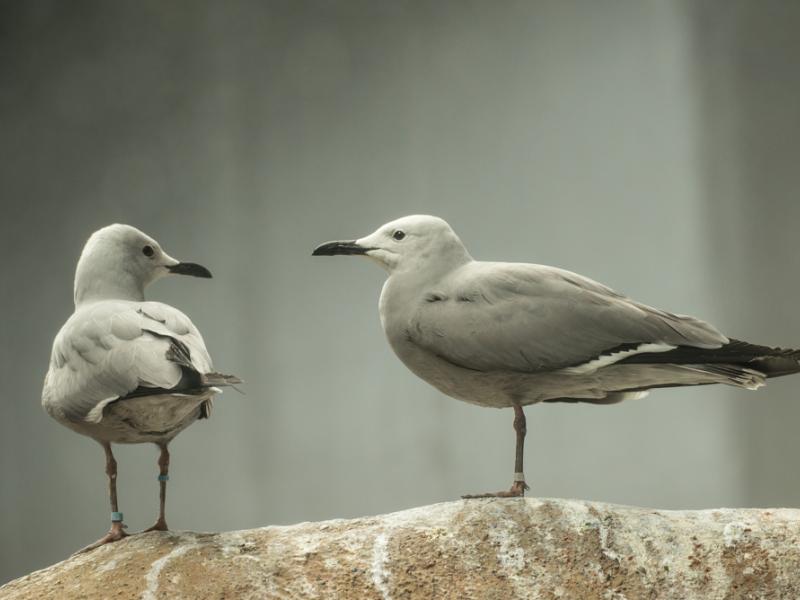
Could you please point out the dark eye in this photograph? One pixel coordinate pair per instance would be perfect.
(148, 251)
(399, 235)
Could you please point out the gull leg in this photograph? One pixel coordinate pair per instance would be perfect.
(163, 477)
(519, 486)
(117, 531)
(521, 429)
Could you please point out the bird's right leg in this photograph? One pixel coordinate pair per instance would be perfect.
(117, 531)
(163, 477)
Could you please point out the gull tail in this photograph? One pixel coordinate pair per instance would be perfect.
(214, 379)
(211, 381)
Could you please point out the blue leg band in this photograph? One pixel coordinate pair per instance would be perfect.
(163, 477)
(116, 517)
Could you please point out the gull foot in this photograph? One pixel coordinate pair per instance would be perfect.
(116, 533)
(160, 525)
(517, 491)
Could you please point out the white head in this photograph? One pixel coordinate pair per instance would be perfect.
(415, 243)
(119, 261)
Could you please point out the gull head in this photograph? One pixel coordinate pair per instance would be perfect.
(119, 261)
(416, 243)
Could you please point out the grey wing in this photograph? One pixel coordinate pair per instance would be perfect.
(532, 318)
(113, 349)
(169, 322)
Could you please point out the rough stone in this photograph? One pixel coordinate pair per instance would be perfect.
(488, 549)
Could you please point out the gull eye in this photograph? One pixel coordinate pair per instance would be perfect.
(148, 251)
(399, 235)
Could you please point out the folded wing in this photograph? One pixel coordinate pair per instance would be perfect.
(113, 349)
(532, 318)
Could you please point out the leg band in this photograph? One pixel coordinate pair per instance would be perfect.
(116, 517)
(519, 477)
(163, 477)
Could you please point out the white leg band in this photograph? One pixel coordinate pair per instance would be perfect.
(519, 477)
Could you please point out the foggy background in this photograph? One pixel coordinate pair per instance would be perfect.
(650, 145)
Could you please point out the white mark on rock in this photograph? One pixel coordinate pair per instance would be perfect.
(604, 544)
(509, 552)
(380, 556)
(237, 544)
(733, 532)
(108, 565)
(307, 543)
(155, 571)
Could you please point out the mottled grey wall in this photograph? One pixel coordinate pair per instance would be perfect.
(748, 83)
(651, 145)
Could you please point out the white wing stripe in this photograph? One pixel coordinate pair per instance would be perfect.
(609, 359)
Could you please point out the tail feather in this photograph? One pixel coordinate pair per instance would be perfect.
(214, 378)
(210, 381)
(732, 374)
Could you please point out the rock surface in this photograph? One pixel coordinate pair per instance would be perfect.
(503, 548)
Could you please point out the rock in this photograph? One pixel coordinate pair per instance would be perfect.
(503, 548)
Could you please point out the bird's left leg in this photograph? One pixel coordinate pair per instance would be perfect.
(519, 486)
(163, 477)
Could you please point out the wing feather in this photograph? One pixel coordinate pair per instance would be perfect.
(107, 350)
(533, 318)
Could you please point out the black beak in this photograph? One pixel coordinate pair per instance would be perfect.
(334, 248)
(192, 269)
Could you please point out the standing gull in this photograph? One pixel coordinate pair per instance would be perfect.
(513, 334)
(124, 370)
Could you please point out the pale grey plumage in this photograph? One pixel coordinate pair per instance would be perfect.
(499, 334)
(532, 318)
(123, 370)
(513, 334)
(536, 333)
(115, 343)
(108, 349)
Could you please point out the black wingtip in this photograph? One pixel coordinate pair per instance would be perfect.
(772, 362)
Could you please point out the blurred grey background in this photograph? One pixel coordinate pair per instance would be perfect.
(651, 145)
